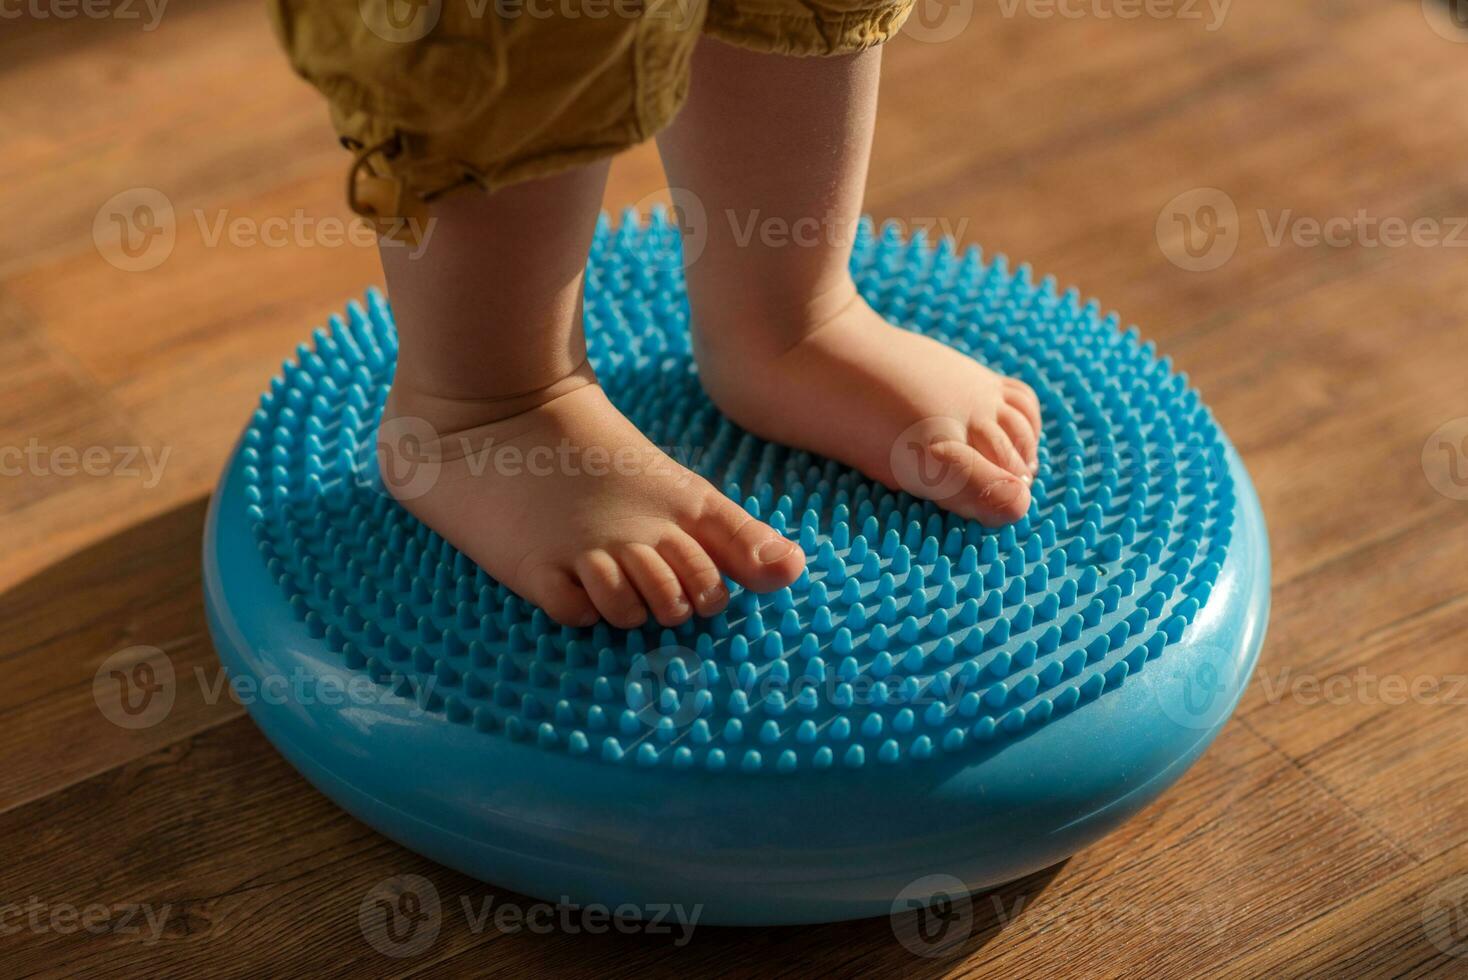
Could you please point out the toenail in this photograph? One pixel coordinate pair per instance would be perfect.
(773, 550)
(679, 606)
(1005, 491)
(713, 595)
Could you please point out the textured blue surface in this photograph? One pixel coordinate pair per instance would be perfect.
(916, 644)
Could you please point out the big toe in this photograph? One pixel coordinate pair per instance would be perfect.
(748, 550)
(976, 487)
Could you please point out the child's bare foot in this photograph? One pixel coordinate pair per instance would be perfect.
(573, 508)
(785, 345)
(901, 407)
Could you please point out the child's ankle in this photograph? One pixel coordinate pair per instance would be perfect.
(458, 413)
(769, 326)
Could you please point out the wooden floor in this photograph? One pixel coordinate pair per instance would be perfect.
(1325, 833)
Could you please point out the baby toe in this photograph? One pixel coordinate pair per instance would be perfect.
(611, 590)
(1023, 398)
(1022, 434)
(660, 588)
(556, 590)
(750, 551)
(697, 571)
(1002, 500)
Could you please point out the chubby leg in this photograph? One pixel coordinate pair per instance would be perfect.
(775, 150)
(497, 436)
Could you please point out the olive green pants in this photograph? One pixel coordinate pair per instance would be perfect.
(436, 94)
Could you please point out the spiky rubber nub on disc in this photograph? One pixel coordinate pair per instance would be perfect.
(912, 635)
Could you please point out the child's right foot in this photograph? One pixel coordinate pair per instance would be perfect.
(577, 511)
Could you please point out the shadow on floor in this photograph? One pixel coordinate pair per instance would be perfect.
(142, 586)
(925, 944)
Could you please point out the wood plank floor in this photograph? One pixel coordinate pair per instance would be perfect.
(1325, 834)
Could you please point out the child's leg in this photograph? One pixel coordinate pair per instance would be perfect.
(530, 467)
(785, 346)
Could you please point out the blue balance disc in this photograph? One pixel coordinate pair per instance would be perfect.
(932, 700)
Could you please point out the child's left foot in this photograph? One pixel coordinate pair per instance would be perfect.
(901, 407)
